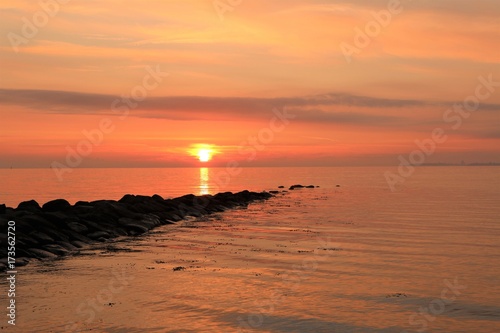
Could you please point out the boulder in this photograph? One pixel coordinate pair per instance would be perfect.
(56, 249)
(57, 205)
(98, 234)
(135, 229)
(41, 237)
(77, 227)
(41, 254)
(31, 206)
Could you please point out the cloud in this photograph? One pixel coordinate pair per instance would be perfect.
(326, 108)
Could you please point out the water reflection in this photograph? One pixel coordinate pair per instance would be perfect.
(203, 181)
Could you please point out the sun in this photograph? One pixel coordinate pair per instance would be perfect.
(204, 155)
(203, 152)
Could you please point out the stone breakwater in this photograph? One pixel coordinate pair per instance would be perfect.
(58, 228)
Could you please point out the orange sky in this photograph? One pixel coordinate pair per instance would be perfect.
(230, 72)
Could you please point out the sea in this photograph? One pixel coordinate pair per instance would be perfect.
(350, 255)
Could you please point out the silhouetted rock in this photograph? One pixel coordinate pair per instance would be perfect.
(58, 229)
(293, 187)
(41, 254)
(31, 206)
(56, 205)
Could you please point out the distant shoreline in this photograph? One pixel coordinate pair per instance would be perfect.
(260, 166)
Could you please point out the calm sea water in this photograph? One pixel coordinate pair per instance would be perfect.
(354, 258)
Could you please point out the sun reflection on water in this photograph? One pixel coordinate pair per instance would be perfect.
(203, 181)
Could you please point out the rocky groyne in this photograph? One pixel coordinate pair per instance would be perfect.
(58, 228)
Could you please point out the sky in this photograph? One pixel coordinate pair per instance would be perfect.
(263, 83)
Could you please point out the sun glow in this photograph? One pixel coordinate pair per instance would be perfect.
(203, 152)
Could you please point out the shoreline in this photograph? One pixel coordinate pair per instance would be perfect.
(57, 228)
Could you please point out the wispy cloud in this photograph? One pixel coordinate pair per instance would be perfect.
(318, 108)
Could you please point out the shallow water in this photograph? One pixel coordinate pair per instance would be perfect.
(355, 258)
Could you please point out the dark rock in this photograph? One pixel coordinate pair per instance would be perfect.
(58, 234)
(274, 192)
(77, 227)
(41, 237)
(26, 241)
(281, 186)
(67, 245)
(82, 203)
(79, 244)
(98, 234)
(22, 261)
(74, 236)
(56, 205)
(41, 254)
(310, 186)
(57, 228)
(136, 229)
(59, 219)
(28, 221)
(293, 187)
(31, 206)
(178, 268)
(56, 249)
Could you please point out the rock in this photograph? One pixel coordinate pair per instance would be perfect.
(281, 186)
(79, 244)
(74, 236)
(28, 221)
(57, 228)
(41, 254)
(136, 229)
(274, 192)
(293, 187)
(98, 234)
(67, 245)
(310, 186)
(41, 237)
(22, 261)
(58, 218)
(179, 268)
(30, 206)
(56, 249)
(56, 205)
(77, 227)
